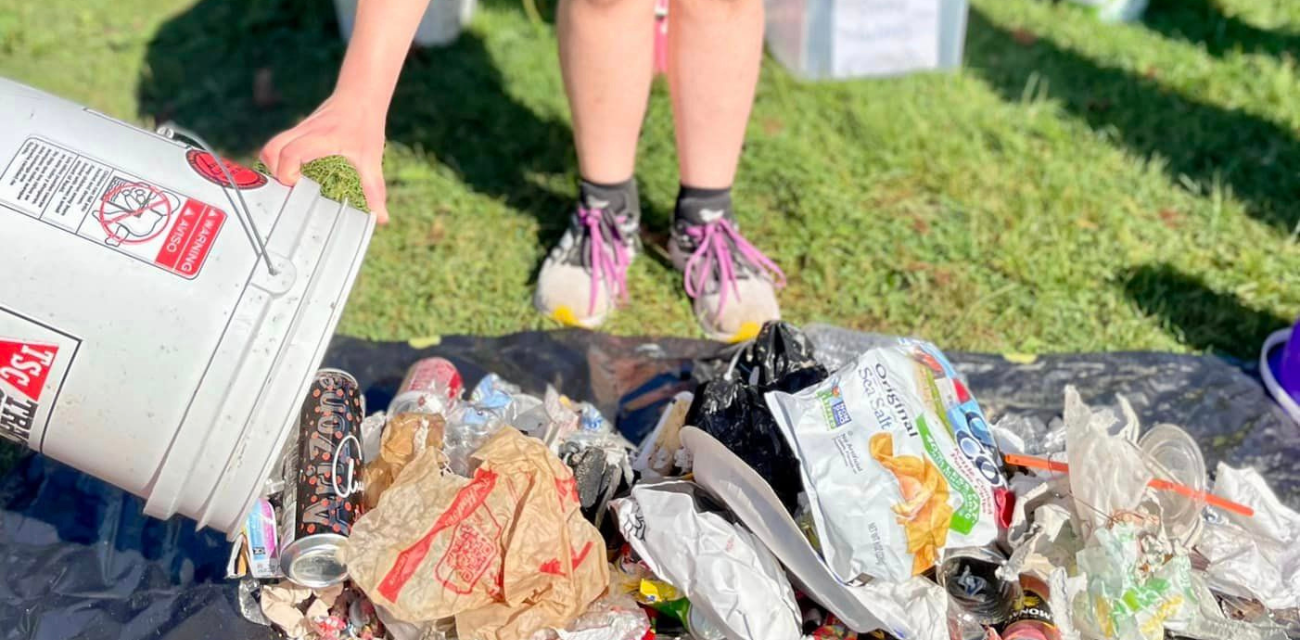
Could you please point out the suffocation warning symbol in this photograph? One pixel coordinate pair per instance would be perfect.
(135, 212)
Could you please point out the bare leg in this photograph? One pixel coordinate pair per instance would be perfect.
(607, 56)
(715, 48)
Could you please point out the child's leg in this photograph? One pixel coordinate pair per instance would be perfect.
(606, 54)
(716, 47)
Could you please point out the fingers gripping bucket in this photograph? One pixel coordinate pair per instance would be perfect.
(145, 338)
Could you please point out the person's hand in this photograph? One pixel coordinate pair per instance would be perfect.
(338, 127)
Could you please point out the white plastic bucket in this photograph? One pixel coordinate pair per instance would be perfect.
(441, 25)
(142, 340)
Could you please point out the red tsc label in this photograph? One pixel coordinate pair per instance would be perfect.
(34, 360)
(110, 207)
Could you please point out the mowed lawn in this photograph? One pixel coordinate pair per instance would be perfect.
(1076, 187)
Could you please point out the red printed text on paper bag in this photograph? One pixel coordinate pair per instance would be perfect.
(476, 537)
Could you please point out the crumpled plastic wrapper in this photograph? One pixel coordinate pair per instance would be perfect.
(615, 617)
(1138, 584)
(1048, 538)
(249, 607)
(1256, 556)
(406, 436)
(506, 552)
(1132, 590)
(372, 433)
(722, 568)
(919, 601)
(1108, 474)
(551, 418)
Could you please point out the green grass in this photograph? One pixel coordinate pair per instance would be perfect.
(1077, 187)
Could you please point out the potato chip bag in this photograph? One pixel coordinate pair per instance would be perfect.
(897, 461)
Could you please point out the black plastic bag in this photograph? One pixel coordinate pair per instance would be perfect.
(734, 413)
(731, 408)
(780, 358)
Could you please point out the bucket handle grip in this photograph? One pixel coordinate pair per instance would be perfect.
(171, 130)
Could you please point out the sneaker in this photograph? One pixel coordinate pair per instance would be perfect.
(733, 284)
(585, 275)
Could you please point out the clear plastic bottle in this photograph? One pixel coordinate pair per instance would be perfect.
(468, 428)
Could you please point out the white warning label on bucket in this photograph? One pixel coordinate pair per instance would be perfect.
(111, 207)
(34, 361)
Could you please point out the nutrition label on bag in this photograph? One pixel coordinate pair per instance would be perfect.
(110, 207)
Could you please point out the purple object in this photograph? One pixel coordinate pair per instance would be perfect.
(607, 267)
(1285, 363)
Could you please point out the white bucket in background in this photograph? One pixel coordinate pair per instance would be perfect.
(142, 340)
(441, 25)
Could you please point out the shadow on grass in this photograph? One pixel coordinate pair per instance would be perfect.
(1256, 158)
(1204, 22)
(451, 102)
(1205, 319)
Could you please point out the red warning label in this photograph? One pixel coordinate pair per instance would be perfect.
(113, 208)
(190, 239)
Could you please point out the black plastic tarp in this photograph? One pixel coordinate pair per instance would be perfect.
(78, 559)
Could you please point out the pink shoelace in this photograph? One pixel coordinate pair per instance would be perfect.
(610, 266)
(714, 243)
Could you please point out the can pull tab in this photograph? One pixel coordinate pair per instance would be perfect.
(245, 215)
(351, 486)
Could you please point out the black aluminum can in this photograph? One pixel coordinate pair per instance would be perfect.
(327, 481)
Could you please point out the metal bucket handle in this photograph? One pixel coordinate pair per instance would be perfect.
(242, 212)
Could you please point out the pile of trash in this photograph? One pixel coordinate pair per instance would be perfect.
(779, 500)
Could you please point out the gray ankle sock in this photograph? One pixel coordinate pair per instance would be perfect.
(621, 198)
(692, 202)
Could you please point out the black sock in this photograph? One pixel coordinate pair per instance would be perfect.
(619, 197)
(693, 202)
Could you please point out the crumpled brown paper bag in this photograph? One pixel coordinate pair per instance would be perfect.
(399, 447)
(507, 552)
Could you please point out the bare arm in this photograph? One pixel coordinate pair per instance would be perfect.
(351, 121)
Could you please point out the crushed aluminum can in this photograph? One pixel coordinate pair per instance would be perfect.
(431, 385)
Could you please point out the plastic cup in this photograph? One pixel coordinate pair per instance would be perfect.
(1177, 457)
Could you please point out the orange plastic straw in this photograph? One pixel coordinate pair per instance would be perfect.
(1156, 483)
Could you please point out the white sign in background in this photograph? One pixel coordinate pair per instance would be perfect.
(884, 37)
